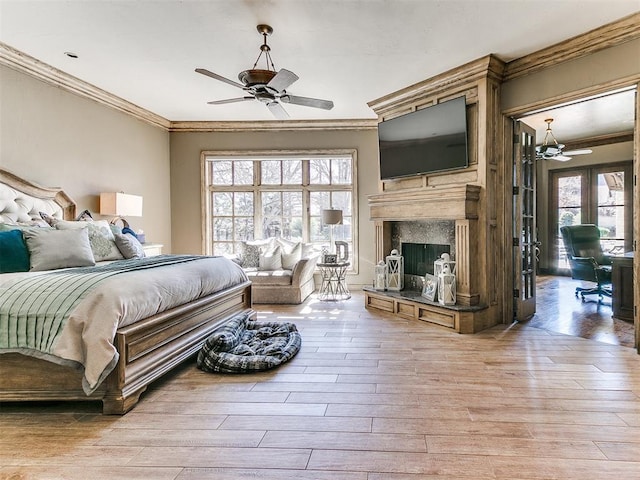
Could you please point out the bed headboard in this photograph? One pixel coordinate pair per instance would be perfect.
(22, 201)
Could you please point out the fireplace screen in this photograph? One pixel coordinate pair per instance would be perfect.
(419, 257)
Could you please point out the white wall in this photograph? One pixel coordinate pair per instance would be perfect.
(57, 139)
(185, 179)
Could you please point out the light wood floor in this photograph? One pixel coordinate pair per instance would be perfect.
(560, 311)
(369, 397)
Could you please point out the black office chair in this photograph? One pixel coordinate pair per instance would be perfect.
(587, 262)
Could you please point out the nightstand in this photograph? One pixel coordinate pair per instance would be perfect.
(152, 249)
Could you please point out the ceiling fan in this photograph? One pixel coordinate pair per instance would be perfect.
(552, 150)
(267, 86)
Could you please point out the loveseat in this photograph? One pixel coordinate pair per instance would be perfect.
(281, 271)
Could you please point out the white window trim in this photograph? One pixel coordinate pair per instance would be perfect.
(205, 198)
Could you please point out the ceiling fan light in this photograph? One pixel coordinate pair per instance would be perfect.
(256, 77)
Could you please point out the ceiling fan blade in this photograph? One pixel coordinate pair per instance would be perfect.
(307, 102)
(560, 158)
(230, 100)
(218, 77)
(582, 151)
(282, 80)
(277, 110)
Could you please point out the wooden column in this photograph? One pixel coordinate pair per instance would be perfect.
(468, 274)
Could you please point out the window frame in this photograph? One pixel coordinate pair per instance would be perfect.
(589, 202)
(207, 157)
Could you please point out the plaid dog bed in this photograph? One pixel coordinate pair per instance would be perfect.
(243, 345)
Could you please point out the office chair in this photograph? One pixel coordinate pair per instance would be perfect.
(587, 262)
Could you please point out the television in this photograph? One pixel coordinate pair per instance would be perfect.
(433, 139)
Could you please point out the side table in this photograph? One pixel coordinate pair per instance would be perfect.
(334, 282)
(152, 249)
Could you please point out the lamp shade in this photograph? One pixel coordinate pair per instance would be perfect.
(120, 204)
(331, 216)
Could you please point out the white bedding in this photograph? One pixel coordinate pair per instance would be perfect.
(124, 299)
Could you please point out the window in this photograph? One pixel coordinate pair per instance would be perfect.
(598, 195)
(264, 195)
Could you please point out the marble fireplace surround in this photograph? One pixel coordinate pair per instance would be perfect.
(457, 204)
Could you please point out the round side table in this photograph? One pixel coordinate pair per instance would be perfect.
(334, 282)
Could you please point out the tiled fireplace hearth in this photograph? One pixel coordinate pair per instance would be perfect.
(421, 243)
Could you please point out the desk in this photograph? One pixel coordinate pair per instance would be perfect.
(334, 282)
(622, 286)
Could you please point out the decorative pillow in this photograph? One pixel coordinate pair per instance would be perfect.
(52, 249)
(270, 260)
(14, 256)
(129, 246)
(48, 218)
(251, 252)
(85, 216)
(5, 227)
(101, 238)
(291, 257)
(115, 228)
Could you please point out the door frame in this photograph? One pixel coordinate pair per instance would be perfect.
(547, 104)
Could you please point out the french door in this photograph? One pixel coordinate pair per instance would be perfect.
(525, 241)
(601, 195)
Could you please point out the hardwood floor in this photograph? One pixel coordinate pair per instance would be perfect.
(560, 311)
(369, 397)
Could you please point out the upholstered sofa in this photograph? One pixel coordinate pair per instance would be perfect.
(281, 271)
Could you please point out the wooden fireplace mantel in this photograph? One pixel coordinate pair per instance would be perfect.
(446, 202)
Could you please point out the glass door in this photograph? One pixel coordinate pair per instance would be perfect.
(598, 195)
(569, 189)
(525, 241)
(610, 211)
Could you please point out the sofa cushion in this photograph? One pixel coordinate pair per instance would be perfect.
(270, 259)
(269, 277)
(251, 252)
(290, 254)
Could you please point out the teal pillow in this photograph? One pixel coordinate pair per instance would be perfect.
(14, 256)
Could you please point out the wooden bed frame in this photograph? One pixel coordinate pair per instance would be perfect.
(148, 349)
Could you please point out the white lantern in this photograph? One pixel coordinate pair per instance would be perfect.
(395, 271)
(446, 286)
(380, 276)
(438, 265)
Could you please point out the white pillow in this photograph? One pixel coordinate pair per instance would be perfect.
(103, 243)
(52, 249)
(270, 260)
(291, 257)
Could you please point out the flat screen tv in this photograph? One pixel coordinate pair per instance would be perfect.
(432, 139)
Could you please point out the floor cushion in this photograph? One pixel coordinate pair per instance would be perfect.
(243, 345)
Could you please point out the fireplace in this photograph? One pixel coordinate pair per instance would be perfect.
(442, 215)
(419, 257)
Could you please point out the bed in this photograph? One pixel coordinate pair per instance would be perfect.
(139, 319)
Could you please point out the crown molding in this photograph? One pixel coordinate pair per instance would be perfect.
(275, 125)
(28, 65)
(599, 140)
(489, 66)
(606, 36)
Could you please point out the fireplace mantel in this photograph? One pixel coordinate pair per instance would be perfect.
(447, 202)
